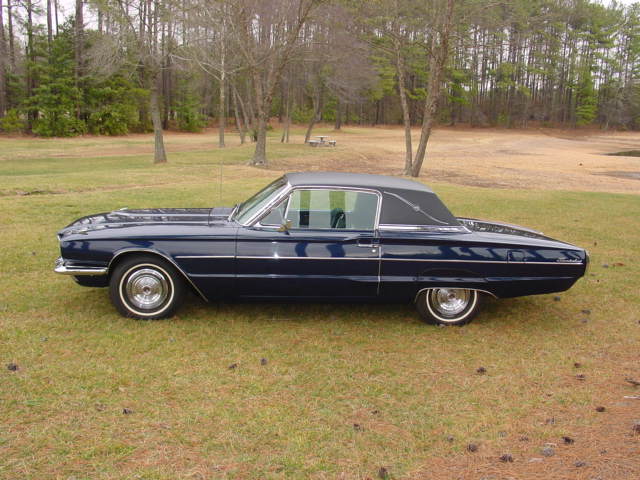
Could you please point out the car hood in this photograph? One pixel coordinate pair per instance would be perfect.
(149, 216)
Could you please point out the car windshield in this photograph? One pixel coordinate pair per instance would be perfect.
(253, 205)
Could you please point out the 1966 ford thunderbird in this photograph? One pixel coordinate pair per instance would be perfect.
(316, 236)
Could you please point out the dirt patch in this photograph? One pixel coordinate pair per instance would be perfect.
(631, 175)
(491, 158)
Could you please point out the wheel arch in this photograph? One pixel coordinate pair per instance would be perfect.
(479, 290)
(125, 253)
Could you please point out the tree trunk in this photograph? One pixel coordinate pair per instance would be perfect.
(31, 114)
(237, 114)
(338, 123)
(406, 118)
(79, 47)
(12, 52)
(49, 26)
(439, 55)
(245, 117)
(3, 65)
(263, 105)
(159, 155)
(222, 114)
(287, 114)
(55, 15)
(317, 113)
(260, 154)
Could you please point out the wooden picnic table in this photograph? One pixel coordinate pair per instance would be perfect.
(321, 142)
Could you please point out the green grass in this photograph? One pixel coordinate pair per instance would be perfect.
(329, 366)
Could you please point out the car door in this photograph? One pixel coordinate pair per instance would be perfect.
(317, 243)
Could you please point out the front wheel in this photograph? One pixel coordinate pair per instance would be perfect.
(448, 306)
(146, 287)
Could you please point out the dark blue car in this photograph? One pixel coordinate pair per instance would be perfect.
(316, 236)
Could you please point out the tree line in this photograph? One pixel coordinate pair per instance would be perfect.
(118, 66)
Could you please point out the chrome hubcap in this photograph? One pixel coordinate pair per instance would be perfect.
(450, 301)
(147, 288)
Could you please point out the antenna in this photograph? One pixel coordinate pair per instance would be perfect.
(220, 181)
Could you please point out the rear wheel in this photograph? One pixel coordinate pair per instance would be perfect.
(448, 306)
(146, 287)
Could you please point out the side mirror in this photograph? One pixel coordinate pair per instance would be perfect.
(286, 226)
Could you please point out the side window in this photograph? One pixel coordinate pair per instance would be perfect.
(332, 209)
(276, 215)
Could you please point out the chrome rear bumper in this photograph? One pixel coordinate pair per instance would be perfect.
(63, 269)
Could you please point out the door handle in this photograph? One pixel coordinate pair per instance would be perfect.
(368, 243)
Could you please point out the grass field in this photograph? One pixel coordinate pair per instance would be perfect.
(346, 390)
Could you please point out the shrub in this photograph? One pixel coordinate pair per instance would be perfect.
(55, 124)
(12, 122)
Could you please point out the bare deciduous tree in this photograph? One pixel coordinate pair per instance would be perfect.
(267, 33)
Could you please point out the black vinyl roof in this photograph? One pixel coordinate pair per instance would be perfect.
(362, 180)
(404, 202)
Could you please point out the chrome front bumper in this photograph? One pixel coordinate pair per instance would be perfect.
(63, 269)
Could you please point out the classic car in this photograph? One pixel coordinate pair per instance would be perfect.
(316, 236)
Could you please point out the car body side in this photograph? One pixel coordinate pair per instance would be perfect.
(221, 258)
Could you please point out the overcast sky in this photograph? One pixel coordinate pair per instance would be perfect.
(67, 7)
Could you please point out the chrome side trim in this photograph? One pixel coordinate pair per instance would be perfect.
(424, 228)
(63, 269)
(474, 261)
(129, 214)
(166, 257)
(431, 288)
(205, 256)
(436, 260)
(304, 258)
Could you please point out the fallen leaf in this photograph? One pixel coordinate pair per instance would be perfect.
(548, 452)
(506, 458)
